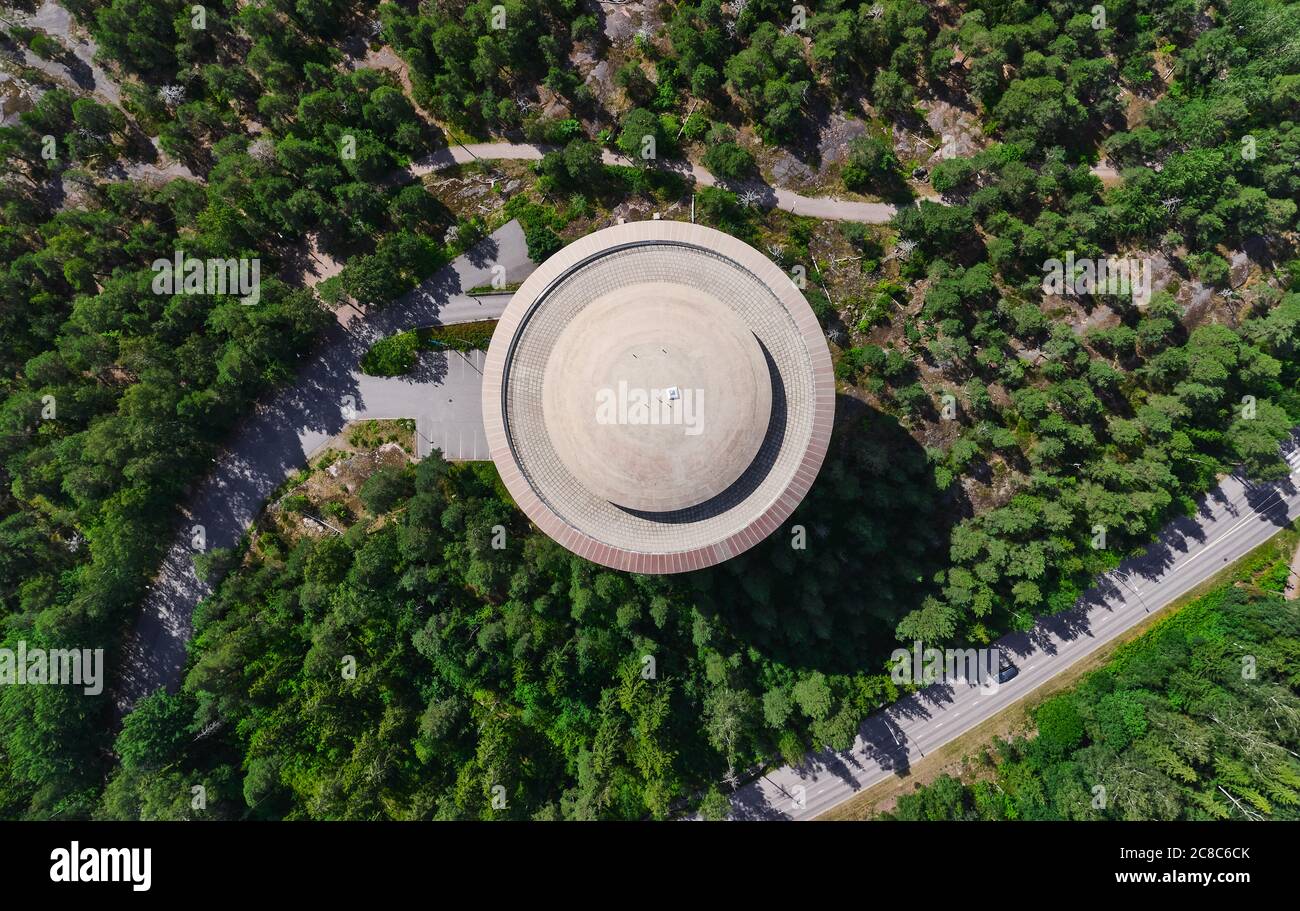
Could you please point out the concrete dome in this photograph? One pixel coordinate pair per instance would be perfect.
(679, 389)
(658, 396)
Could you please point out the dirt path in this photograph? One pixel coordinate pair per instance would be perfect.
(753, 192)
(57, 21)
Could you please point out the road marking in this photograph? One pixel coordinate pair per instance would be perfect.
(1211, 544)
(1169, 584)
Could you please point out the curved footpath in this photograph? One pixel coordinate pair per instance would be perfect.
(827, 208)
(1232, 520)
(56, 20)
(282, 433)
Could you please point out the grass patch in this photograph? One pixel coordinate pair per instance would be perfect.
(397, 354)
(491, 289)
(369, 435)
(458, 337)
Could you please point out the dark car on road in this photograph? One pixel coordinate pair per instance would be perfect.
(1007, 673)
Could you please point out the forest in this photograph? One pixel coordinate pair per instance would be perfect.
(984, 431)
(1197, 720)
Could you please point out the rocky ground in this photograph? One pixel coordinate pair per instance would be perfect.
(331, 484)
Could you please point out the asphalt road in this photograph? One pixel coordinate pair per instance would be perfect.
(1232, 520)
(443, 395)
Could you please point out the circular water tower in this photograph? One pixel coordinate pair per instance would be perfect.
(658, 397)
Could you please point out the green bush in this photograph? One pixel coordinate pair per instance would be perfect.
(542, 242)
(951, 173)
(337, 510)
(392, 356)
(723, 209)
(637, 125)
(584, 27)
(871, 163)
(1210, 268)
(695, 127)
(1060, 729)
(385, 489)
(44, 46)
(559, 132)
(729, 160)
(295, 502)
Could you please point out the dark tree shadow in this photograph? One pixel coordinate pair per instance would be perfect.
(875, 530)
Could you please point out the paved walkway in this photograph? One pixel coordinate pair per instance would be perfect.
(443, 396)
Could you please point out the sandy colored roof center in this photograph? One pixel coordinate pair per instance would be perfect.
(658, 397)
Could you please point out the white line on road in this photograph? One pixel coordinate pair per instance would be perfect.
(1245, 530)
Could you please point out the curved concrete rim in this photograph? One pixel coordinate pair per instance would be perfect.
(534, 290)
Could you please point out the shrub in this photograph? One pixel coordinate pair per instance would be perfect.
(1060, 729)
(695, 127)
(638, 124)
(729, 160)
(951, 173)
(724, 209)
(705, 80)
(1210, 268)
(44, 46)
(542, 242)
(871, 163)
(584, 27)
(385, 489)
(392, 356)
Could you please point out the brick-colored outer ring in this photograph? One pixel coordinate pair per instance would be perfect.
(782, 505)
